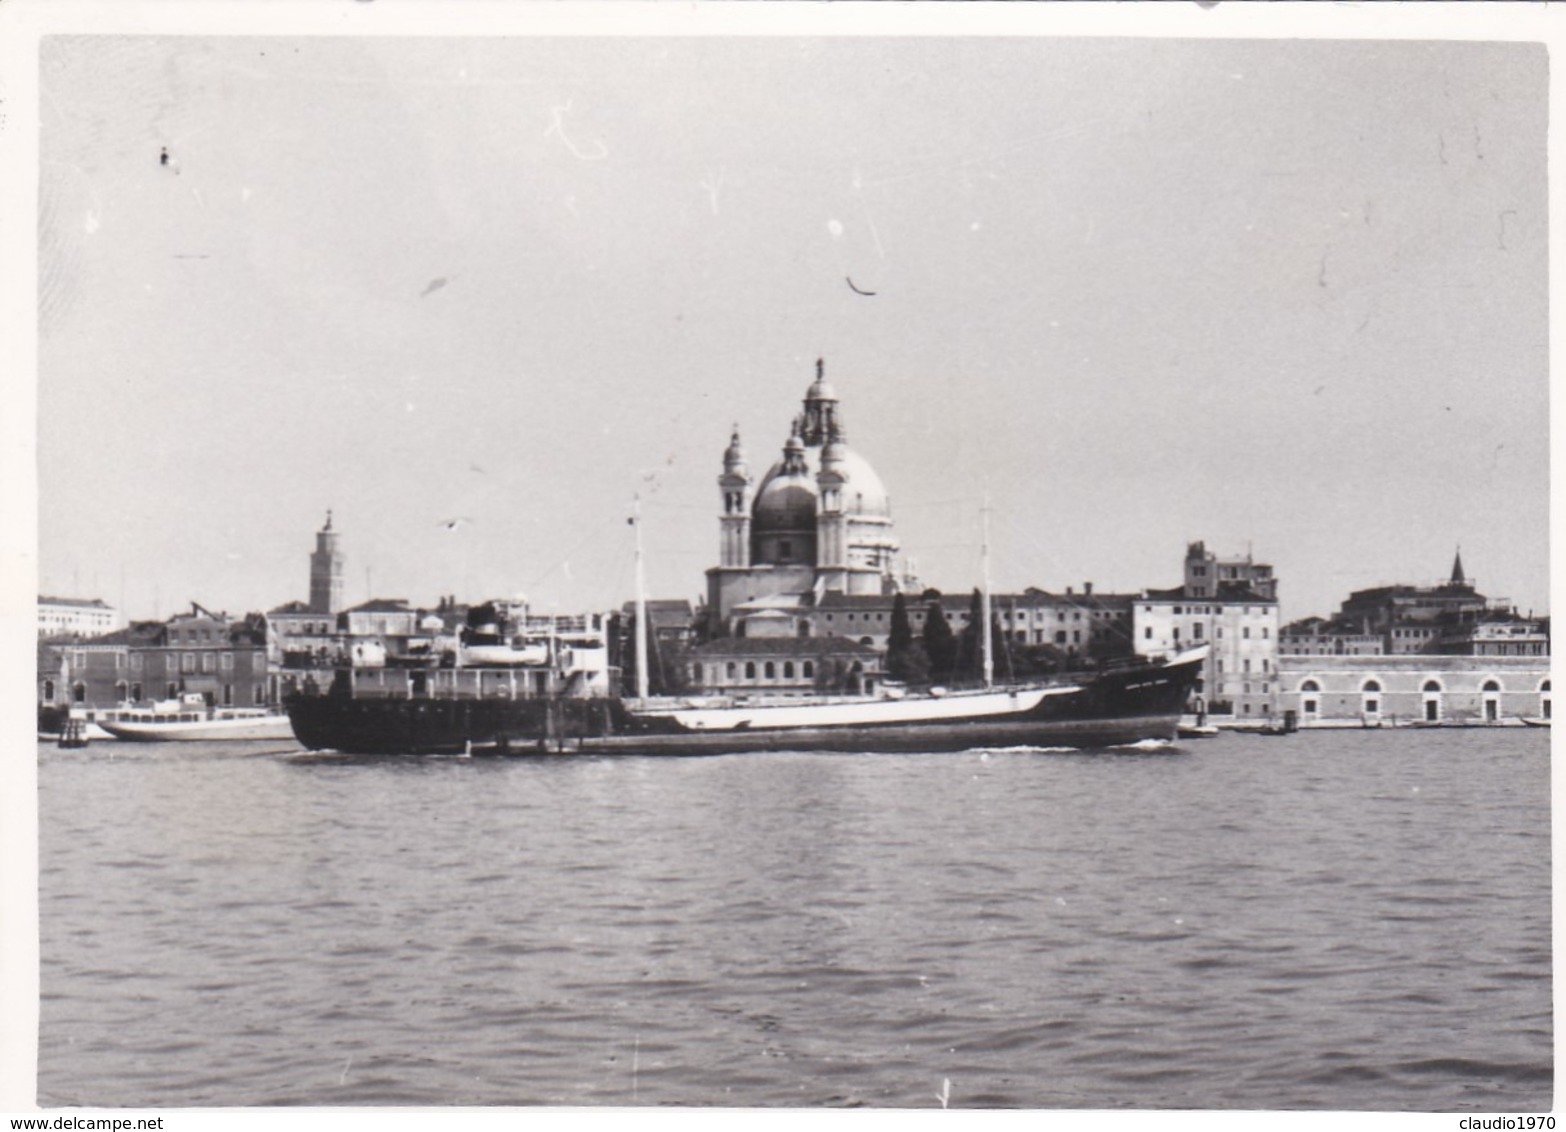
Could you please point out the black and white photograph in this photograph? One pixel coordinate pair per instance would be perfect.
(646, 556)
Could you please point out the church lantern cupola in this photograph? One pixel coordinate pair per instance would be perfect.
(820, 421)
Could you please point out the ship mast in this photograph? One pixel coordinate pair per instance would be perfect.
(641, 606)
(984, 599)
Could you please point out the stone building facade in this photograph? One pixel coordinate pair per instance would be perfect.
(200, 652)
(76, 617)
(1395, 689)
(1231, 606)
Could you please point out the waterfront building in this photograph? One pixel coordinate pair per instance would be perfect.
(76, 617)
(1096, 626)
(300, 636)
(90, 673)
(208, 653)
(301, 645)
(1086, 625)
(1231, 605)
(388, 627)
(53, 677)
(326, 571)
(201, 652)
(1401, 688)
(1440, 653)
(819, 523)
(386, 619)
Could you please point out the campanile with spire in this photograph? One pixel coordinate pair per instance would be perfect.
(326, 571)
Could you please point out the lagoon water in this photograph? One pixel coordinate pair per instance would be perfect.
(1335, 920)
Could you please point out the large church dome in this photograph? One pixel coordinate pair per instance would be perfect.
(863, 492)
(787, 501)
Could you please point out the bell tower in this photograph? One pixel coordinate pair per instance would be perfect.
(326, 571)
(734, 524)
(831, 518)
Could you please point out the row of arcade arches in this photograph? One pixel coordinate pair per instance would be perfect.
(1432, 698)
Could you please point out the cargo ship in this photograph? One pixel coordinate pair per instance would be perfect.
(506, 690)
(564, 705)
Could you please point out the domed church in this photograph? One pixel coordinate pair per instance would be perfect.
(820, 522)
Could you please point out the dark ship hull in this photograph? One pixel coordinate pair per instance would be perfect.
(1112, 708)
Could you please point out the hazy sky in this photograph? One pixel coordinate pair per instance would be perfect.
(1288, 296)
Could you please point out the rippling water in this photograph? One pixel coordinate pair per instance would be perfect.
(1334, 920)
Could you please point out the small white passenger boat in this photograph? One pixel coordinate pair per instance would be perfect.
(191, 719)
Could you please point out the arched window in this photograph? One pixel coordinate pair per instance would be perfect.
(1431, 686)
(1310, 686)
(788, 670)
(1431, 690)
(48, 691)
(809, 670)
(1371, 686)
(771, 671)
(732, 670)
(1492, 686)
(79, 693)
(750, 670)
